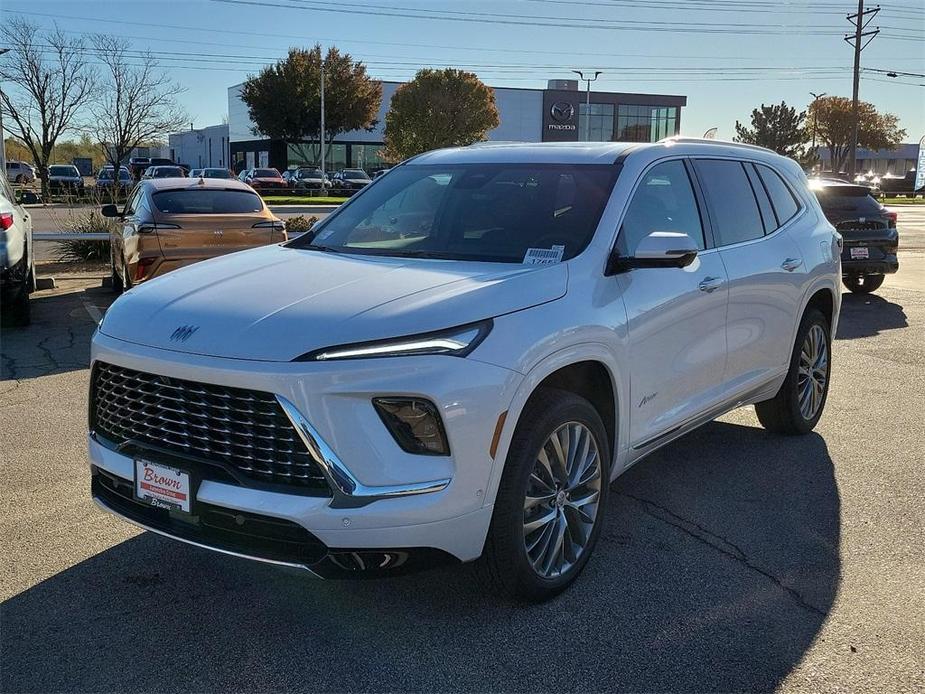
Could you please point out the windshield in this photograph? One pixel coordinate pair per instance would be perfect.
(216, 173)
(62, 171)
(355, 173)
(310, 173)
(208, 201)
(488, 212)
(266, 173)
(168, 172)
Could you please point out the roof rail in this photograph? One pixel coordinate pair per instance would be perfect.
(705, 141)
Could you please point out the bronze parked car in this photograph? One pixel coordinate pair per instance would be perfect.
(171, 222)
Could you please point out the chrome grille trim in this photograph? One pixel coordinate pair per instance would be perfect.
(244, 430)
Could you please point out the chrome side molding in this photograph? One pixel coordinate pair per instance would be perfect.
(348, 491)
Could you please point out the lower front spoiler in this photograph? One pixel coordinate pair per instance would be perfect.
(259, 538)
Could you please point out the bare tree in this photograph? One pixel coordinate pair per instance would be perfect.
(136, 103)
(51, 82)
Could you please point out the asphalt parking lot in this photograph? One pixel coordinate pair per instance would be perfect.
(731, 560)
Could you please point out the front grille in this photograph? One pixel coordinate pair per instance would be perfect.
(856, 225)
(243, 431)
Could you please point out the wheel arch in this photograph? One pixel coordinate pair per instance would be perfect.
(588, 370)
(826, 297)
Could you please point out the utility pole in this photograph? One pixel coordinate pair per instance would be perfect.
(816, 98)
(589, 80)
(322, 122)
(860, 20)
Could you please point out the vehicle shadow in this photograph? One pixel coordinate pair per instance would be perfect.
(58, 339)
(866, 315)
(716, 568)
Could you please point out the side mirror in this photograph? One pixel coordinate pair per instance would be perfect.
(658, 249)
(110, 211)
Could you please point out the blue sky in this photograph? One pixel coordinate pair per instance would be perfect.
(726, 56)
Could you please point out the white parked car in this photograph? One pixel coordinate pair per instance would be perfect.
(456, 363)
(20, 172)
(17, 259)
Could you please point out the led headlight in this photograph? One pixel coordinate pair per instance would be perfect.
(456, 342)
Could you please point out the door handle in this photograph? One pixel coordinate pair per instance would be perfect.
(791, 264)
(710, 284)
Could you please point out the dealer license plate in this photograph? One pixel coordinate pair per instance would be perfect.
(859, 253)
(162, 486)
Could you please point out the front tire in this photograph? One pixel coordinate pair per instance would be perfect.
(800, 401)
(551, 500)
(863, 284)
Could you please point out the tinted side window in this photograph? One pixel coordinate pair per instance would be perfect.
(733, 208)
(764, 203)
(784, 203)
(664, 201)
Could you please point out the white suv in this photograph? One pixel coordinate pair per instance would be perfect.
(455, 364)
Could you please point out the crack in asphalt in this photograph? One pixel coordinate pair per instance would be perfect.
(720, 544)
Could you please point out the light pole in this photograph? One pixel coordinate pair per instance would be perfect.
(816, 98)
(589, 80)
(2, 131)
(322, 123)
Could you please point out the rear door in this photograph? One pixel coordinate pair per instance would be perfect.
(766, 271)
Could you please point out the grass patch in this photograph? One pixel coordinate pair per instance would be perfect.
(294, 200)
(902, 201)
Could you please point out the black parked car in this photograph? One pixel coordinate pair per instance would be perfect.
(65, 178)
(869, 231)
(309, 178)
(350, 179)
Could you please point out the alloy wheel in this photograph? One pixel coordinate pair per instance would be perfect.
(812, 376)
(561, 503)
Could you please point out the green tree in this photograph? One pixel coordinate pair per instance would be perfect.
(780, 128)
(284, 100)
(438, 108)
(831, 117)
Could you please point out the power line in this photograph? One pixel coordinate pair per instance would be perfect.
(540, 21)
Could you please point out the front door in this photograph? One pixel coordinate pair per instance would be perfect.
(676, 316)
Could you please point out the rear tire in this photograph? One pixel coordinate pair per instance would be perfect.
(118, 286)
(800, 401)
(863, 284)
(21, 309)
(541, 520)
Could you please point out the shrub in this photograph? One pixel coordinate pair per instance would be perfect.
(300, 224)
(82, 251)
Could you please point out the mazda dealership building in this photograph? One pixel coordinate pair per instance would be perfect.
(555, 114)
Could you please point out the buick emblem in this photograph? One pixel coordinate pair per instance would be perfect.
(562, 111)
(219, 232)
(183, 333)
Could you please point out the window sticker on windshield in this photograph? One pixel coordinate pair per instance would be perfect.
(544, 256)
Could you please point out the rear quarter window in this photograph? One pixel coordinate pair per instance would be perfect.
(785, 205)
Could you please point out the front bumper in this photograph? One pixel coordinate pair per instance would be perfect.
(382, 498)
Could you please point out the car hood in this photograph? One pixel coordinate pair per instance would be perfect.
(277, 303)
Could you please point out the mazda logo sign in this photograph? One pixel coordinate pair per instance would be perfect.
(562, 111)
(183, 333)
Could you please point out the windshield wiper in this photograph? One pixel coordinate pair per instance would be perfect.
(314, 247)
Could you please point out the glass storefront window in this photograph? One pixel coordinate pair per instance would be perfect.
(599, 122)
(640, 123)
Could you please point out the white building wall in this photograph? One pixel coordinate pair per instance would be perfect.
(521, 114)
(520, 111)
(200, 148)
